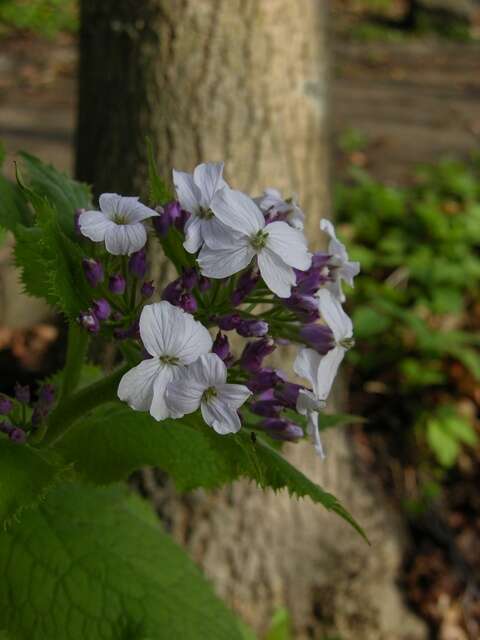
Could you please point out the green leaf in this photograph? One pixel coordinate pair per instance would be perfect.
(445, 447)
(26, 476)
(113, 441)
(280, 626)
(94, 564)
(160, 193)
(64, 194)
(13, 207)
(51, 263)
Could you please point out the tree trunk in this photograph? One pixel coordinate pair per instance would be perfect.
(244, 81)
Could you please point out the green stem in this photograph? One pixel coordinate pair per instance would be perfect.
(76, 406)
(77, 346)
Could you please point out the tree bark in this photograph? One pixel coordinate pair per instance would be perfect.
(244, 81)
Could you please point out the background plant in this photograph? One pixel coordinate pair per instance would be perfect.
(416, 304)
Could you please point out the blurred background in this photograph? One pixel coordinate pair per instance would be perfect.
(404, 131)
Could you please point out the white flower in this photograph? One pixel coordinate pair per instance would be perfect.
(320, 370)
(118, 223)
(204, 384)
(272, 201)
(345, 269)
(195, 193)
(174, 339)
(277, 246)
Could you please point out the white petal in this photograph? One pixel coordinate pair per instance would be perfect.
(94, 225)
(188, 194)
(327, 371)
(209, 178)
(193, 234)
(328, 228)
(233, 394)
(159, 409)
(238, 211)
(271, 198)
(314, 433)
(278, 276)
(208, 370)
(348, 271)
(133, 210)
(333, 314)
(136, 386)
(183, 396)
(125, 239)
(193, 340)
(290, 244)
(109, 202)
(306, 365)
(308, 402)
(161, 326)
(221, 264)
(218, 236)
(221, 417)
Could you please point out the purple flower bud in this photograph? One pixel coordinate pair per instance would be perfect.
(246, 284)
(170, 214)
(76, 217)
(265, 408)
(221, 346)
(173, 292)
(22, 393)
(93, 271)
(101, 309)
(117, 284)
(5, 427)
(188, 303)
(306, 307)
(133, 331)
(309, 281)
(286, 394)
(38, 416)
(46, 395)
(204, 284)
(254, 353)
(229, 322)
(89, 321)
(280, 429)
(148, 289)
(18, 436)
(137, 263)
(264, 379)
(189, 279)
(252, 328)
(318, 337)
(6, 405)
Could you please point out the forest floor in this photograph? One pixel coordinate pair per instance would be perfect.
(414, 100)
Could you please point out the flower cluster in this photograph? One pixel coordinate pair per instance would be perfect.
(22, 416)
(243, 266)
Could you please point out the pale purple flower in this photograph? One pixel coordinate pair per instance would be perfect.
(195, 193)
(343, 268)
(174, 339)
(277, 247)
(119, 223)
(204, 385)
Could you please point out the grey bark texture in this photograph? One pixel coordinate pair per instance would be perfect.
(244, 81)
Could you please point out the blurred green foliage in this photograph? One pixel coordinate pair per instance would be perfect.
(416, 303)
(43, 17)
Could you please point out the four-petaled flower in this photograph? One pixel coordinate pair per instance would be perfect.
(320, 370)
(119, 223)
(272, 203)
(204, 384)
(344, 269)
(195, 193)
(174, 339)
(245, 235)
